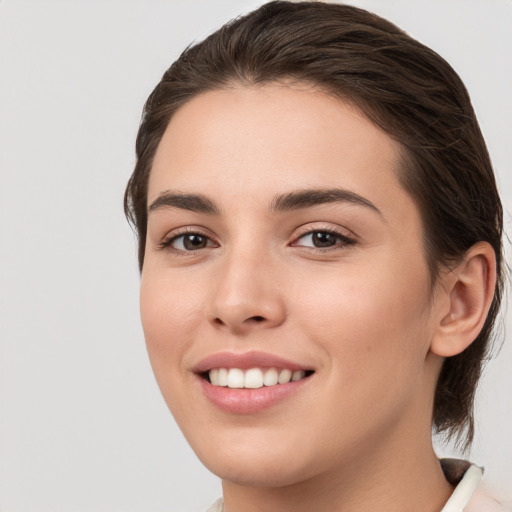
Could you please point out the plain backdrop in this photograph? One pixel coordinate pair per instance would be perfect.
(83, 427)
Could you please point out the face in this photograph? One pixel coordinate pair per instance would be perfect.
(282, 247)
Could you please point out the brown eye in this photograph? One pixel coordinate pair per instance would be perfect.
(193, 241)
(188, 242)
(323, 240)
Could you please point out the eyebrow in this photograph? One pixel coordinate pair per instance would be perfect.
(300, 199)
(296, 200)
(192, 202)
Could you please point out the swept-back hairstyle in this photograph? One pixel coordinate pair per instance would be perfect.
(402, 86)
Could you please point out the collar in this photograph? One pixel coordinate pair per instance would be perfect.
(468, 477)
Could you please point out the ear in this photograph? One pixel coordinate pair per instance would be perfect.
(466, 295)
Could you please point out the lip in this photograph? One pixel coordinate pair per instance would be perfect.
(245, 361)
(248, 401)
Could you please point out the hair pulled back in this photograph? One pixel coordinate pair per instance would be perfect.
(406, 89)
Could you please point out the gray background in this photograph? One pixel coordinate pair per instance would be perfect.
(82, 423)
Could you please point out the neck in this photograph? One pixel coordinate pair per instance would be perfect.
(398, 483)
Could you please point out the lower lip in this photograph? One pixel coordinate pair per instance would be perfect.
(249, 401)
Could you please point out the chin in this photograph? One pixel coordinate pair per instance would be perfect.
(262, 472)
(258, 459)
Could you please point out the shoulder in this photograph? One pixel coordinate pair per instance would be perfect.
(470, 493)
(484, 501)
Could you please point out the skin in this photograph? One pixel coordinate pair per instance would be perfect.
(362, 314)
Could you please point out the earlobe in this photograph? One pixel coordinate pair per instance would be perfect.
(468, 291)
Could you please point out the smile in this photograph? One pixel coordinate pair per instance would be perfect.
(248, 383)
(253, 378)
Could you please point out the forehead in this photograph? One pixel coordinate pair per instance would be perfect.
(262, 140)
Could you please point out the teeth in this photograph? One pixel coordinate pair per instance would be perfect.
(235, 378)
(270, 378)
(285, 376)
(298, 374)
(253, 378)
(223, 377)
(214, 377)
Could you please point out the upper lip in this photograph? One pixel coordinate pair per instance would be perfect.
(244, 361)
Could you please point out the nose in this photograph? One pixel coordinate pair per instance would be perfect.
(247, 295)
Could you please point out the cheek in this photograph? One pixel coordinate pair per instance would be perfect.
(371, 332)
(170, 311)
(372, 318)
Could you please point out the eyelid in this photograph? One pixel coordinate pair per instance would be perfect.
(347, 239)
(170, 237)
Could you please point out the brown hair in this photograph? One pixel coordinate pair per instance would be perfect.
(403, 87)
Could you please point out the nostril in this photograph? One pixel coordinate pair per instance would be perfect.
(235, 322)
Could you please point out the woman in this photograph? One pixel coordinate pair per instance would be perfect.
(320, 268)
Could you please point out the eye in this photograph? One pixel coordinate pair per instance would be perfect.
(187, 242)
(323, 239)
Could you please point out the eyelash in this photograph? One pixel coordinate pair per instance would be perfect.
(167, 242)
(343, 240)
